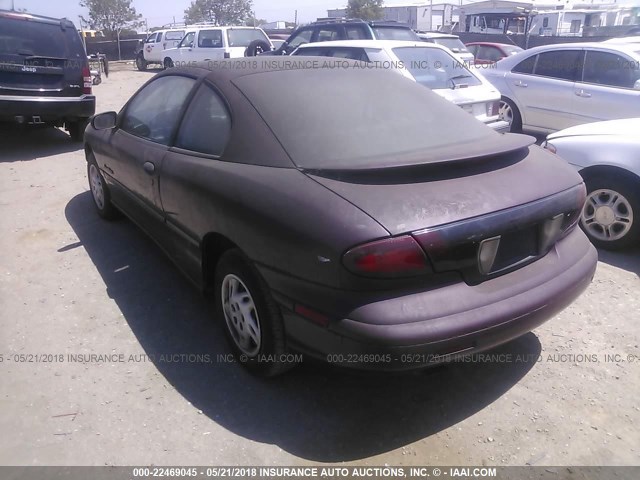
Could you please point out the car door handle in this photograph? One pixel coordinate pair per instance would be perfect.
(583, 94)
(149, 167)
(520, 83)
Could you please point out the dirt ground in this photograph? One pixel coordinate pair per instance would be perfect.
(72, 285)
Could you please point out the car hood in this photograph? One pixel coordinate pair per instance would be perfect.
(408, 199)
(623, 127)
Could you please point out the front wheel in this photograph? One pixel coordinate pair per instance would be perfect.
(99, 190)
(611, 214)
(168, 63)
(250, 317)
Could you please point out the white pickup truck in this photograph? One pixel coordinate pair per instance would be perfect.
(210, 43)
(155, 44)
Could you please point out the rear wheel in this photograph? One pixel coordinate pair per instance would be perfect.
(76, 129)
(251, 319)
(141, 63)
(611, 214)
(510, 114)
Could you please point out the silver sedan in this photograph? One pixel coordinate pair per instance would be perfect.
(607, 155)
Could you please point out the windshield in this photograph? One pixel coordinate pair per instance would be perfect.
(394, 33)
(511, 49)
(36, 39)
(243, 37)
(357, 116)
(435, 68)
(453, 44)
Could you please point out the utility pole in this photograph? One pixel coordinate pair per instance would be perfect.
(296, 18)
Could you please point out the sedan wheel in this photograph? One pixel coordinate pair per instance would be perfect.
(611, 213)
(252, 320)
(510, 114)
(99, 190)
(241, 315)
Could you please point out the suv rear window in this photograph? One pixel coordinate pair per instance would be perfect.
(37, 39)
(394, 33)
(243, 37)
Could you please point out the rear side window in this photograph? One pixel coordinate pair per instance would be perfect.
(350, 53)
(210, 39)
(526, 66)
(176, 35)
(561, 64)
(356, 32)
(207, 125)
(395, 33)
(154, 112)
(36, 39)
(327, 34)
(609, 69)
(243, 37)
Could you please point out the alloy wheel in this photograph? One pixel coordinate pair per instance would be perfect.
(607, 215)
(97, 189)
(241, 315)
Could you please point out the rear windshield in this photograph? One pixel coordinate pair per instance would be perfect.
(435, 68)
(357, 116)
(453, 44)
(243, 37)
(35, 39)
(394, 33)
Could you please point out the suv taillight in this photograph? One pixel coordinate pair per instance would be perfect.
(86, 78)
(389, 258)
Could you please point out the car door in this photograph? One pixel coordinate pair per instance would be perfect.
(606, 90)
(138, 145)
(184, 51)
(151, 47)
(543, 88)
(192, 162)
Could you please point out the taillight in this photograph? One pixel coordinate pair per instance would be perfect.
(86, 78)
(550, 147)
(493, 108)
(389, 258)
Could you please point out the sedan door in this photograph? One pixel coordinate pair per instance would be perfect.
(543, 88)
(606, 91)
(136, 148)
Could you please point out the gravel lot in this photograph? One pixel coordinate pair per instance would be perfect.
(73, 284)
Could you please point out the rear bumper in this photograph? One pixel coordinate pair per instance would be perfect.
(48, 109)
(440, 325)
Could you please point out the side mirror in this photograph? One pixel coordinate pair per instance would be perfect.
(104, 121)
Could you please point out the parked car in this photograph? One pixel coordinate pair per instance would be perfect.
(452, 42)
(430, 65)
(44, 73)
(486, 53)
(203, 44)
(354, 225)
(607, 155)
(154, 46)
(345, 29)
(553, 87)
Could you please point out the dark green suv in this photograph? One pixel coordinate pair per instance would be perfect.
(44, 73)
(345, 29)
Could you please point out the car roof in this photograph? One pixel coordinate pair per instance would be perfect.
(65, 22)
(496, 44)
(382, 44)
(436, 35)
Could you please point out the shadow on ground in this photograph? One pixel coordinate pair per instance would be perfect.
(628, 259)
(314, 412)
(29, 143)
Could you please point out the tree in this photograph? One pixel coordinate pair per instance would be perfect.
(220, 12)
(365, 9)
(111, 16)
(254, 22)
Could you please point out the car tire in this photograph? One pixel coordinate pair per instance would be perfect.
(257, 47)
(168, 63)
(99, 191)
(251, 319)
(141, 63)
(611, 215)
(76, 129)
(510, 113)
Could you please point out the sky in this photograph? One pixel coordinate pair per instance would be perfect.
(159, 12)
